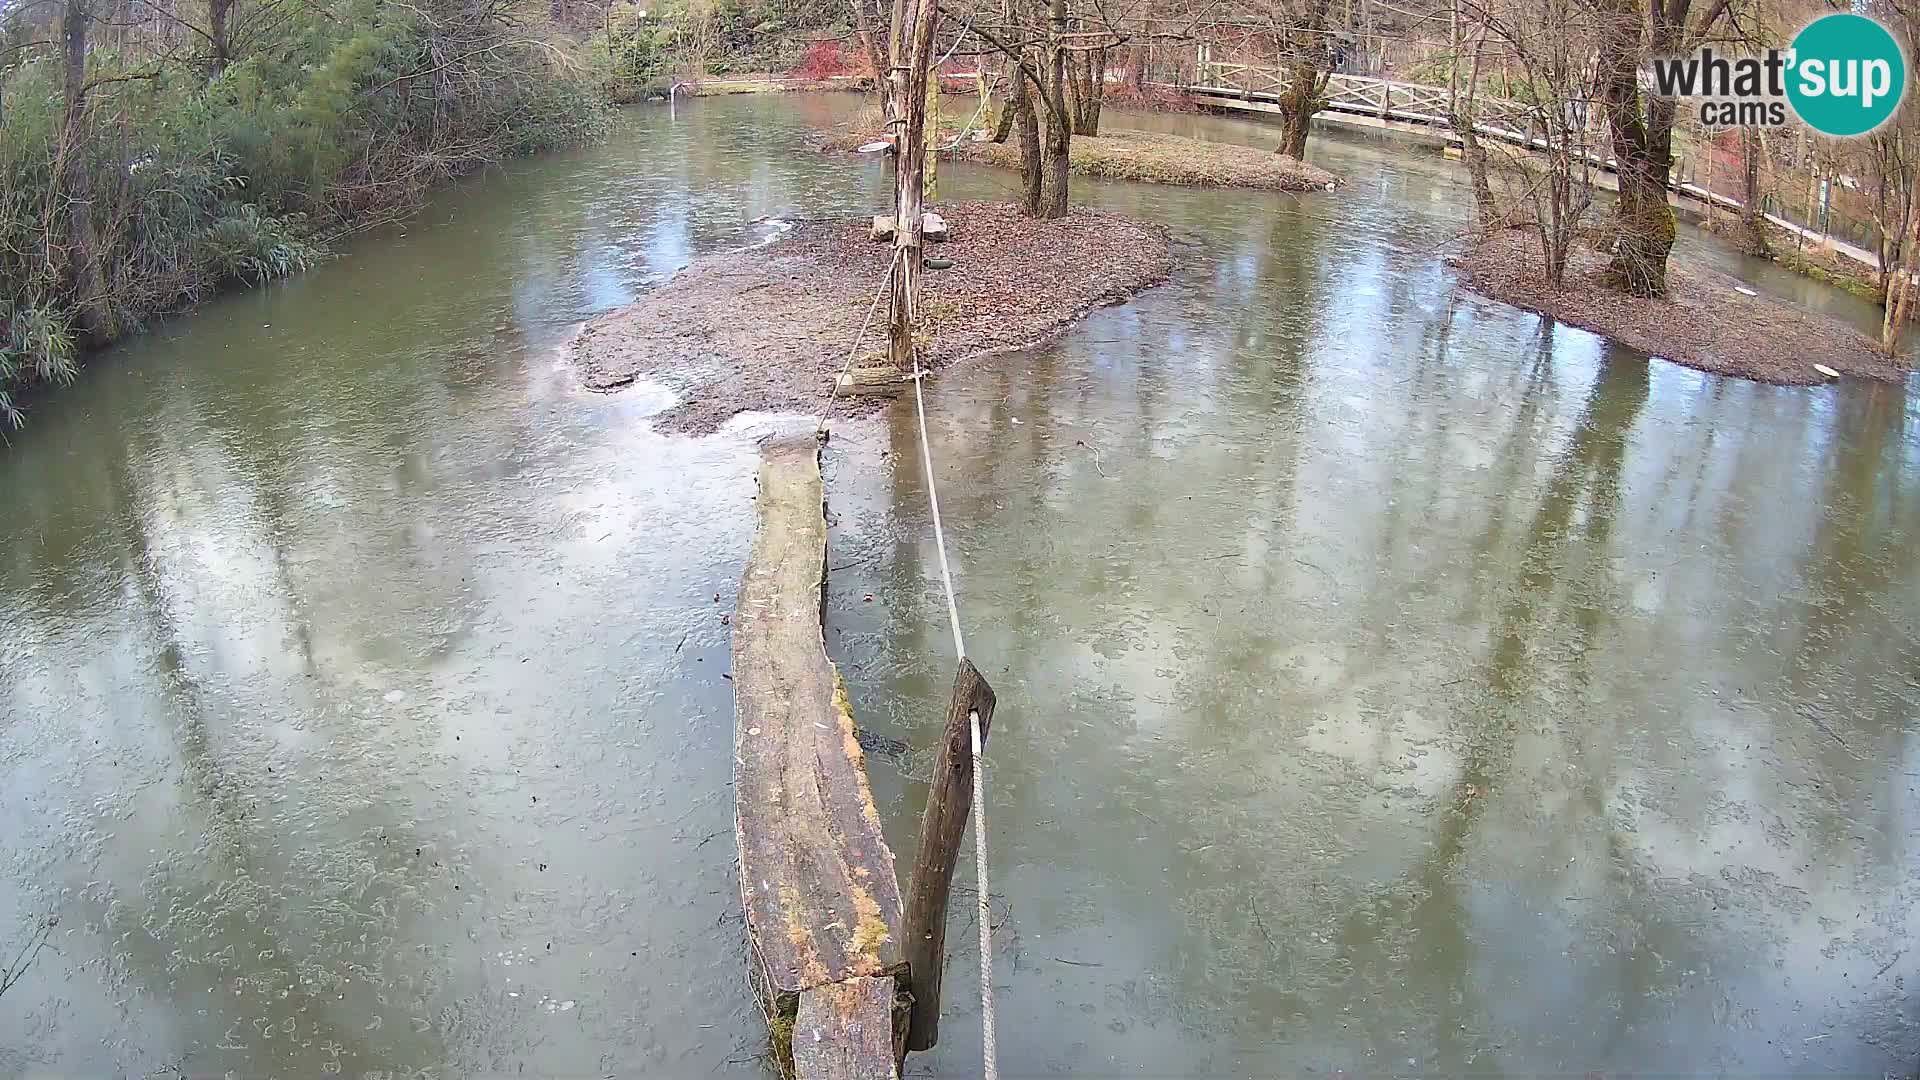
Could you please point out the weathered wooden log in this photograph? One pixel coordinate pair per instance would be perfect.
(944, 823)
(871, 379)
(816, 876)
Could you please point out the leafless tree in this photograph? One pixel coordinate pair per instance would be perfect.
(1548, 186)
(1896, 144)
(1753, 223)
(81, 262)
(1640, 126)
(1467, 40)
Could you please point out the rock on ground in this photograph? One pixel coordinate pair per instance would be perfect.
(769, 329)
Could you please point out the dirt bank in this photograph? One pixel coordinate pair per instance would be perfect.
(1139, 155)
(1704, 322)
(770, 328)
(765, 84)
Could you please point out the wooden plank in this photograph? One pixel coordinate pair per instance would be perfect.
(816, 876)
(847, 1031)
(949, 801)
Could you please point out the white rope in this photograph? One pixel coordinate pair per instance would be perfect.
(886, 280)
(989, 1044)
(933, 499)
(965, 130)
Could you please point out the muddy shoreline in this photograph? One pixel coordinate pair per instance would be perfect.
(1704, 322)
(769, 328)
(1145, 156)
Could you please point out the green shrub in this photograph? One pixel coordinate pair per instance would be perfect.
(247, 246)
(198, 181)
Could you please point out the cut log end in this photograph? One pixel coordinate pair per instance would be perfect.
(848, 1031)
(876, 380)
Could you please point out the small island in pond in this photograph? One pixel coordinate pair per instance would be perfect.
(1706, 321)
(771, 328)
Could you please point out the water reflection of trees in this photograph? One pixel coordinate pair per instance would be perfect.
(1146, 668)
(1440, 965)
(255, 913)
(193, 535)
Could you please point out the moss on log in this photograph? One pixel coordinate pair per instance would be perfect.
(817, 879)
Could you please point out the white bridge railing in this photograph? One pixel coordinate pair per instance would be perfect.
(1417, 103)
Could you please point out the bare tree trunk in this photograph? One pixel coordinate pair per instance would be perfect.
(907, 92)
(1643, 151)
(219, 34)
(1900, 276)
(1021, 107)
(1087, 78)
(1641, 130)
(1646, 224)
(1474, 155)
(1309, 63)
(1461, 114)
(1058, 145)
(1091, 105)
(1753, 224)
(82, 262)
(1016, 86)
(1055, 150)
(1297, 107)
(1893, 178)
(869, 43)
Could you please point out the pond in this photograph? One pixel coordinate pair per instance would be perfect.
(1388, 680)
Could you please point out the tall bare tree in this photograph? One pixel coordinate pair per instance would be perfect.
(1547, 45)
(81, 258)
(1753, 222)
(1467, 36)
(1303, 33)
(910, 56)
(219, 34)
(1893, 152)
(1640, 126)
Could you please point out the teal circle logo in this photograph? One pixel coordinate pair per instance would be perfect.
(1847, 75)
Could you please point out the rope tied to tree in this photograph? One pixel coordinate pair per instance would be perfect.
(886, 282)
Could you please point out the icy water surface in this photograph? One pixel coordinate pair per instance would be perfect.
(1388, 681)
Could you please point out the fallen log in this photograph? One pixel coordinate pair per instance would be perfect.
(817, 878)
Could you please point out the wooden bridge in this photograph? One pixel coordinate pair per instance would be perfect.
(1420, 109)
(1383, 101)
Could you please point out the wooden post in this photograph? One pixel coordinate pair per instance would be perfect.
(912, 57)
(930, 185)
(949, 801)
